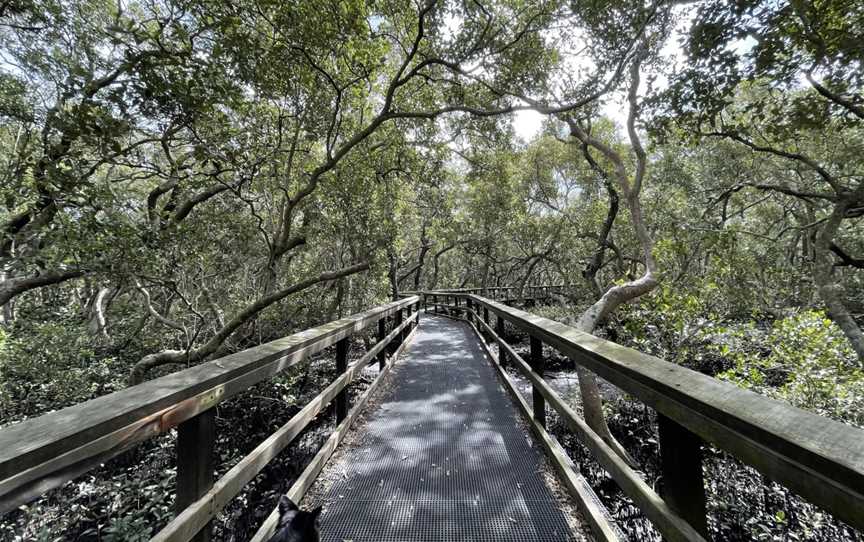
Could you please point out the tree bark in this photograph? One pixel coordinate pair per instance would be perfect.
(425, 245)
(596, 262)
(96, 322)
(829, 290)
(592, 403)
(435, 266)
(16, 286)
(392, 272)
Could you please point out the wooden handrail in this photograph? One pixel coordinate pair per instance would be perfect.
(195, 516)
(667, 521)
(313, 469)
(486, 288)
(818, 458)
(39, 454)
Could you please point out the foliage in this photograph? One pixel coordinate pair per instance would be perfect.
(45, 366)
(804, 360)
(188, 178)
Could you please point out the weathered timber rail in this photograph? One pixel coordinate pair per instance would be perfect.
(504, 294)
(820, 459)
(42, 453)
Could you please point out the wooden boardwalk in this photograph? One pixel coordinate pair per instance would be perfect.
(442, 455)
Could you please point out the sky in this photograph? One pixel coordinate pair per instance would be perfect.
(527, 124)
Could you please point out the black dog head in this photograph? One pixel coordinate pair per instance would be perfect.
(296, 525)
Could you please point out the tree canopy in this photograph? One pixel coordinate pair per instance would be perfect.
(181, 179)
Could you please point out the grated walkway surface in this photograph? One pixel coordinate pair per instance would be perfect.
(443, 458)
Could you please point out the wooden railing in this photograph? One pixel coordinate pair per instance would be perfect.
(40, 454)
(507, 294)
(820, 459)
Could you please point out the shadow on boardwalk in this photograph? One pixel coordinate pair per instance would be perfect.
(442, 457)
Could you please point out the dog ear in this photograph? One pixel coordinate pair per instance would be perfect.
(286, 505)
(313, 515)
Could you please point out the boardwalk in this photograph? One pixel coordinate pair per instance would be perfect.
(443, 457)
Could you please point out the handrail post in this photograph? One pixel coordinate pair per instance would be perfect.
(683, 486)
(341, 367)
(468, 312)
(538, 364)
(382, 333)
(499, 330)
(486, 319)
(400, 317)
(196, 439)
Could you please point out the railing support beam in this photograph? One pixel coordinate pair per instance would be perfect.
(499, 330)
(341, 367)
(196, 439)
(486, 319)
(400, 317)
(538, 364)
(681, 467)
(382, 333)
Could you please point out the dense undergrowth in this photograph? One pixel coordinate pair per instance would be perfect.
(800, 358)
(130, 498)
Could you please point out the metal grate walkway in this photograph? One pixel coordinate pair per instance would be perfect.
(442, 458)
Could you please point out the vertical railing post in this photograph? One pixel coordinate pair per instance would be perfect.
(196, 439)
(499, 330)
(486, 319)
(390, 326)
(400, 317)
(469, 304)
(341, 367)
(382, 333)
(538, 364)
(681, 468)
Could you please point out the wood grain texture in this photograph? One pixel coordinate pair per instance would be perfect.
(39, 454)
(198, 513)
(311, 472)
(196, 440)
(671, 525)
(538, 364)
(681, 469)
(818, 458)
(341, 367)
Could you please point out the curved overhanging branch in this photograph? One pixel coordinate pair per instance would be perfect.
(15, 286)
(617, 295)
(838, 99)
(165, 357)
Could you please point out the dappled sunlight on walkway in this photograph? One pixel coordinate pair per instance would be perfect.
(443, 457)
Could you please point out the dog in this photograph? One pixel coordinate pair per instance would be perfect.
(296, 525)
